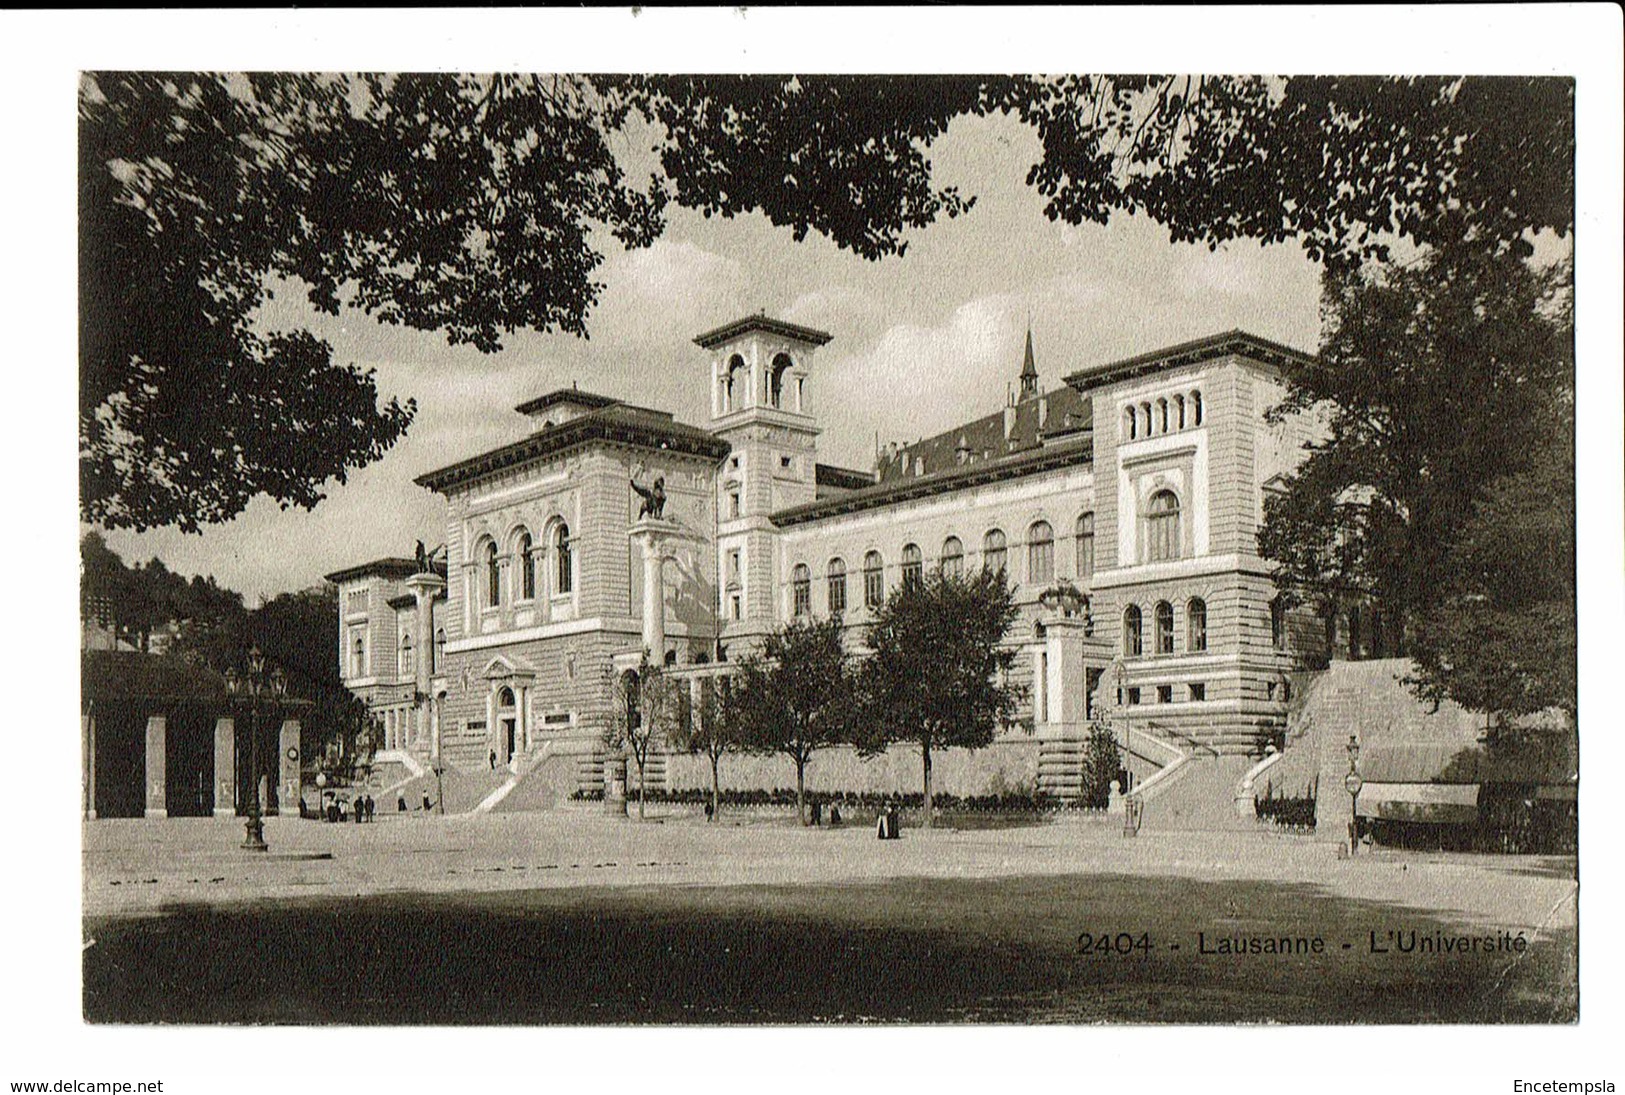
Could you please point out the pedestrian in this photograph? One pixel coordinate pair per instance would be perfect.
(400, 802)
(359, 809)
(426, 804)
(372, 808)
(493, 760)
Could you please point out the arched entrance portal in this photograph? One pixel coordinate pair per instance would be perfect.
(507, 723)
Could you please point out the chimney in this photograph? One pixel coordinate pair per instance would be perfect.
(1009, 420)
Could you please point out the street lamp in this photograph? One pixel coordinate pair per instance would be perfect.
(1352, 783)
(439, 788)
(253, 685)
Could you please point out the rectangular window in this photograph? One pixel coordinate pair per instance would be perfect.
(733, 565)
(1165, 693)
(1198, 691)
(1133, 696)
(733, 607)
(733, 504)
(787, 463)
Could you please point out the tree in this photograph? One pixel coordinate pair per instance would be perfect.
(1426, 372)
(937, 675)
(1503, 638)
(300, 632)
(709, 729)
(796, 697)
(471, 205)
(140, 600)
(645, 713)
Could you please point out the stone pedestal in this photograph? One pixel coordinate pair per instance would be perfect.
(157, 767)
(225, 768)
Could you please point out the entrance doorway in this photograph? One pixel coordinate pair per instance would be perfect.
(508, 720)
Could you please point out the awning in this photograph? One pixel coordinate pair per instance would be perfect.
(1434, 803)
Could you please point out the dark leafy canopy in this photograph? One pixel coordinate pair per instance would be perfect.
(796, 697)
(1503, 638)
(1430, 378)
(471, 205)
(1443, 486)
(937, 674)
(1344, 165)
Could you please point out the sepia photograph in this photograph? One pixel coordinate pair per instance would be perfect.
(713, 544)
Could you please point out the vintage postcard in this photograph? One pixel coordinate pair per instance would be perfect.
(687, 547)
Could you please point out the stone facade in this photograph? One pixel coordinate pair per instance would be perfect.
(1139, 487)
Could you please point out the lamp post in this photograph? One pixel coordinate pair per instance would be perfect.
(252, 685)
(1352, 783)
(439, 788)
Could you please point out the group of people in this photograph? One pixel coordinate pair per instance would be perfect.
(362, 809)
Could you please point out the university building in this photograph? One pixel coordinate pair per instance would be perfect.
(1123, 507)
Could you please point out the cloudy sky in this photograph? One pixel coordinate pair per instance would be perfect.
(920, 343)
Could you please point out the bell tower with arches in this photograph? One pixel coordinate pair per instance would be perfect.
(760, 405)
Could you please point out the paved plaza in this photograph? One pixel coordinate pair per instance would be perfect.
(575, 917)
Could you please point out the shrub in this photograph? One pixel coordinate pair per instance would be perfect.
(1102, 763)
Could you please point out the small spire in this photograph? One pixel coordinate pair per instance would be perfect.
(1029, 368)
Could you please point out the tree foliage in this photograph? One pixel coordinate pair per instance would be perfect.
(1503, 636)
(797, 696)
(1436, 384)
(477, 206)
(937, 674)
(209, 625)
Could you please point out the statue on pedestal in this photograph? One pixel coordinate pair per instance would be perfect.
(654, 499)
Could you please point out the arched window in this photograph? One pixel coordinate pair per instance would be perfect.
(837, 585)
(801, 590)
(953, 557)
(1165, 628)
(358, 655)
(632, 709)
(735, 384)
(913, 564)
(874, 580)
(493, 575)
(993, 550)
(1162, 527)
(1040, 552)
(563, 549)
(775, 380)
(1086, 545)
(406, 652)
(1196, 408)
(505, 697)
(1145, 419)
(1278, 623)
(1196, 625)
(527, 566)
(1179, 410)
(1131, 428)
(440, 647)
(1162, 415)
(1132, 639)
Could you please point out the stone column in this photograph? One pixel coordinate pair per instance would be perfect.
(288, 769)
(157, 771)
(87, 739)
(225, 767)
(653, 537)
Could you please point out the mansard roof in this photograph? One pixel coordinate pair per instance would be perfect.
(1065, 453)
(617, 423)
(761, 323)
(838, 479)
(391, 567)
(1049, 416)
(1237, 342)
